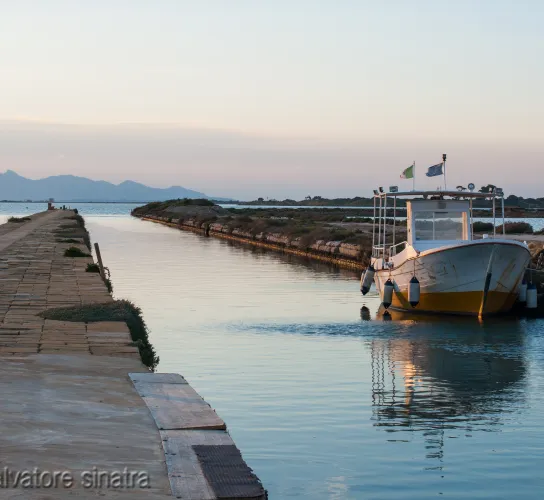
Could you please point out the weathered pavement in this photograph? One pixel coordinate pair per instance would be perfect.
(34, 276)
(69, 406)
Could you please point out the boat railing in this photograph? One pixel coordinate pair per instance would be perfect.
(378, 251)
(394, 249)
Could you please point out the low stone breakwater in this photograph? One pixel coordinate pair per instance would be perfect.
(344, 255)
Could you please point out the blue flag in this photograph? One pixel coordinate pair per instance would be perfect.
(435, 170)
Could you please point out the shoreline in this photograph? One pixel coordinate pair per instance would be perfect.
(313, 255)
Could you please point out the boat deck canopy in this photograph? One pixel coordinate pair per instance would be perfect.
(427, 194)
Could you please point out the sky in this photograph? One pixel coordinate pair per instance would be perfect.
(274, 99)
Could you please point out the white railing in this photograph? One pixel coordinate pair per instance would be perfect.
(393, 250)
(378, 251)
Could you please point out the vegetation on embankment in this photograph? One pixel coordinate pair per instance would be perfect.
(19, 219)
(312, 231)
(92, 268)
(516, 228)
(118, 310)
(75, 252)
(509, 228)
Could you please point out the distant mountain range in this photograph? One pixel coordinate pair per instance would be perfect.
(14, 187)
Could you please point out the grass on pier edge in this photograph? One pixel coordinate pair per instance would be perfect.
(19, 219)
(93, 268)
(118, 310)
(75, 252)
(71, 231)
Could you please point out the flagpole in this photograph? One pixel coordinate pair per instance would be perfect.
(414, 177)
(445, 181)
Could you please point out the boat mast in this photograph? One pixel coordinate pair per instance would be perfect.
(394, 217)
(471, 221)
(379, 225)
(494, 227)
(373, 224)
(384, 227)
(503, 221)
(445, 182)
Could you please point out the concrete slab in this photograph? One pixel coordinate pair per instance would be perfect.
(157, 378)
(178, 406)
(74, 413)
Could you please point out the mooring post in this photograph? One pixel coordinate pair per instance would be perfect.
(99, 259)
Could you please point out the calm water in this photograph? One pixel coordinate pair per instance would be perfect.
(324, 402)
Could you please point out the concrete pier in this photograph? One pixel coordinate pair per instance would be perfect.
(81, 416)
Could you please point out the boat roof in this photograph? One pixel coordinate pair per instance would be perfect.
(441, 194)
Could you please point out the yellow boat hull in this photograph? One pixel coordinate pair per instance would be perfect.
(457, 302)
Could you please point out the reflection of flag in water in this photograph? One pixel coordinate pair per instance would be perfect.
(408, 173)
(435, 170)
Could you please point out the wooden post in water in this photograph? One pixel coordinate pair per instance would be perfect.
(99, 259)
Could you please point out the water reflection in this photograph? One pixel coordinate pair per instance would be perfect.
(444, 377)
(283, 350)
(365, 314)
(297, 262)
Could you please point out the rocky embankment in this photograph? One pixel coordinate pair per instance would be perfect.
(315, 239)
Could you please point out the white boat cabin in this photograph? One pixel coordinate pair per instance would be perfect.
(437, 223)
(436, 219)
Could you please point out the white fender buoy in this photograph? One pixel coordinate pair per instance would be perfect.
(388, 288)
(413, 292)
(366, 279)
(522, 292)
(531, 296)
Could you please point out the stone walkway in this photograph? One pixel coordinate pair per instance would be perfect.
(68, 405)
(34, 276)
(77, 402)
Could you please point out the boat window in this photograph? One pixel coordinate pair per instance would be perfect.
(438, 225)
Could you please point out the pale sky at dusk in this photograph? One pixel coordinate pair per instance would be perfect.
(282, 98)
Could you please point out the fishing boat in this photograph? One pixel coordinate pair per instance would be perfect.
(439, 266)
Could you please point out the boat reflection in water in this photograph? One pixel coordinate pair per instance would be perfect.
(445, 378)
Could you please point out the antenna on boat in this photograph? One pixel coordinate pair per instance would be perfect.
(444, 160)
